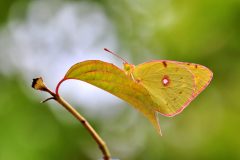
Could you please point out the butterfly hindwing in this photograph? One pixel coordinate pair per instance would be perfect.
(170, 84)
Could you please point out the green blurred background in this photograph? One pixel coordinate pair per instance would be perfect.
(204, 32)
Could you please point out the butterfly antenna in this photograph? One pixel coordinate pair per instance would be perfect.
(115, 55)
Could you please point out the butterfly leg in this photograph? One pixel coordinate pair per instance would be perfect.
(132, 77)
(135, 79)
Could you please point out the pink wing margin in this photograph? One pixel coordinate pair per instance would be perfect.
(194, 95)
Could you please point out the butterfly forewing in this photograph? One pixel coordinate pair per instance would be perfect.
(171, 85)
(202, 76)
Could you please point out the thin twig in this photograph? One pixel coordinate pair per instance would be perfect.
(44, 101)
(39, 85)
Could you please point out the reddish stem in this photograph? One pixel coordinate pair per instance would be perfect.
(58, 85)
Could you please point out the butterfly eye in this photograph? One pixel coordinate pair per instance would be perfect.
(126, 67)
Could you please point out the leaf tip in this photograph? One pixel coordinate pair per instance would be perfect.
(154, 120)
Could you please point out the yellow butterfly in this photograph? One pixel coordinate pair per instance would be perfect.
(172, 85)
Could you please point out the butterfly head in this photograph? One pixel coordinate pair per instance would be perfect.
(128, 68)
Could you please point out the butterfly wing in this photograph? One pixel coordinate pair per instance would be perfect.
(170, 84)
(202, 76)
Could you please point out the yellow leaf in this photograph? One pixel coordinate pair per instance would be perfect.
(114, 80)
